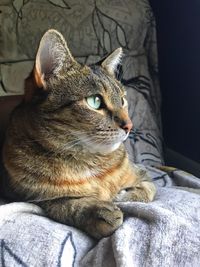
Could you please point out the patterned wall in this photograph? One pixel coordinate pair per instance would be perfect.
(92, 29)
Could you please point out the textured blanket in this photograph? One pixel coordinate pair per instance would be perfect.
(165, 232)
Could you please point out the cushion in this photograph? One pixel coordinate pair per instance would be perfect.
(92, 30)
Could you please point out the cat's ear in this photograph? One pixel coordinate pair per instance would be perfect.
(52, 55)
(112, 61)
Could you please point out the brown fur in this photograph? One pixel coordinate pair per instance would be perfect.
(60, 152)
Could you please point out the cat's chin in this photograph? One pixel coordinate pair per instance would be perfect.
(103, 149)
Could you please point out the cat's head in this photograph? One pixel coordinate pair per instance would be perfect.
(81, 104)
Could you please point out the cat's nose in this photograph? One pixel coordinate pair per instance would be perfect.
(123, 121)
(126, 125)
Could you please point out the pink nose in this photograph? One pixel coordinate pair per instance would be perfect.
(127, 125)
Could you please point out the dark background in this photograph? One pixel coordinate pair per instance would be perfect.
(178, 34)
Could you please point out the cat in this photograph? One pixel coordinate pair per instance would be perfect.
(64, 145)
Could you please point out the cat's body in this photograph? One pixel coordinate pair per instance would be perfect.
(64, 143)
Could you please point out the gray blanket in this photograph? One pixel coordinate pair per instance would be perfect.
(165, 232)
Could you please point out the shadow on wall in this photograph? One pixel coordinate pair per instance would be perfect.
(179, 58)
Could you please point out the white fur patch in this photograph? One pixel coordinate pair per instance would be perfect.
(126, 137)
(103, 149)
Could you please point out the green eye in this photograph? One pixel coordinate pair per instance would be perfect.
(94, 101)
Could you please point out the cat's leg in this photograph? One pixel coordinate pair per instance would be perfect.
(142, 190)
(97, 218)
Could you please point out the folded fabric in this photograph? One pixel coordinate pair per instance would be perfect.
(165, 232)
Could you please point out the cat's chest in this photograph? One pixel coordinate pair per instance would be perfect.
(80, 181)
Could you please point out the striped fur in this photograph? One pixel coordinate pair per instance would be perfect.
(67, 156)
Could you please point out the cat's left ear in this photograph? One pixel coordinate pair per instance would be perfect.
(53, 54)
(112, 61)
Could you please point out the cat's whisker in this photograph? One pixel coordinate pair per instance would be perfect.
(42, 139)
(61, 150)
(80, 137)
(74, 143)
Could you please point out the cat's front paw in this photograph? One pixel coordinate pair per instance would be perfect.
(143, 192)
(105, 219)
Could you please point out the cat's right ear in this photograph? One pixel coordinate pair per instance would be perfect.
(53, 54)
(112, 61)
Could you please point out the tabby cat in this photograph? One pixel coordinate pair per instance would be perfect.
(64, 144)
